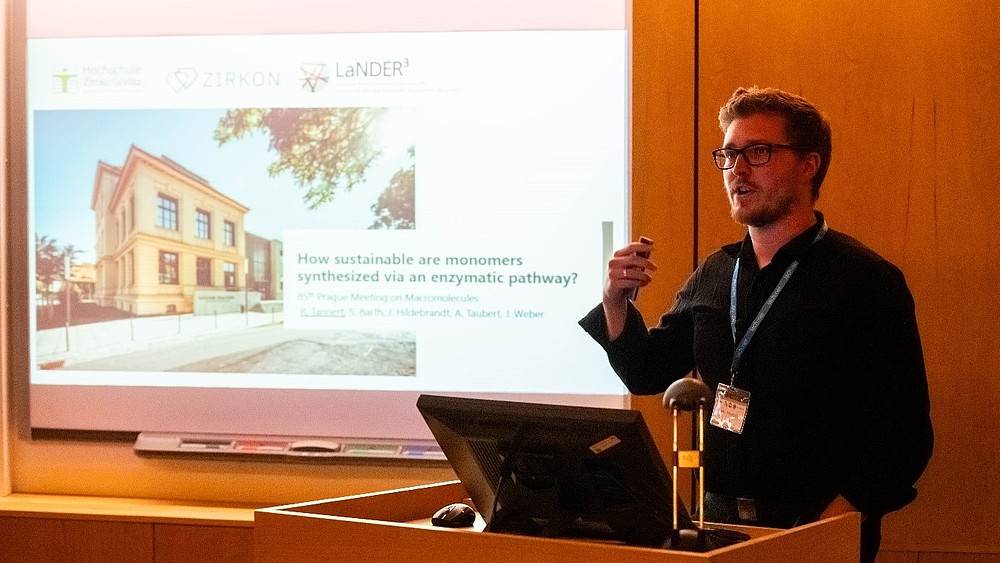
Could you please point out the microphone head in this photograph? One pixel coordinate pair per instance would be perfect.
(686, 394)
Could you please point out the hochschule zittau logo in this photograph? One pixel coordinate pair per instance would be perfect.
(63, 80)
(315, 76)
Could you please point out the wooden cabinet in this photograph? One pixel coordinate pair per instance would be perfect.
(40, 540)
(175, 543)
(40, 528)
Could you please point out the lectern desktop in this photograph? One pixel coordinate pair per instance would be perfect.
(555, 483)
(395, 526)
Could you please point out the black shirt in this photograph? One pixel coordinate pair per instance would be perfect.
(838, 392)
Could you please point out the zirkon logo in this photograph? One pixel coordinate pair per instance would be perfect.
(315, 76)
(182, 78)
(188, 77)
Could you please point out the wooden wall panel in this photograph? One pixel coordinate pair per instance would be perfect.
(662, 161)
(910, 90)
(663, 122)
(5, 422)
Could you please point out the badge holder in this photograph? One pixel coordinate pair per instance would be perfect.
(689, 395)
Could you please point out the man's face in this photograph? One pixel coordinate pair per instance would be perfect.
(761, 195)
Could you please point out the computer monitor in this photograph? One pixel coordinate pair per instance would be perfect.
(557, 470)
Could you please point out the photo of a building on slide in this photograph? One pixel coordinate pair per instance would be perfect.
(173, 260)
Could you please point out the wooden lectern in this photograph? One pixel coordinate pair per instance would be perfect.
(395, 526)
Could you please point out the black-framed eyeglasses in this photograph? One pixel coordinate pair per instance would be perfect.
(757, 154)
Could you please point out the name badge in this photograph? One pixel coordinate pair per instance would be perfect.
(730, 410)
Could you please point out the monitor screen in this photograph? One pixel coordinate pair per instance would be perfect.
(557, 470)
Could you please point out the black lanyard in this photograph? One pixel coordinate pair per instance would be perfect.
(738, 352)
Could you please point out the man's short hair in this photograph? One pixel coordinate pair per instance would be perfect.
(805, 125)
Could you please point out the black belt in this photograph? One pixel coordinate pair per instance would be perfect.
(774, 513)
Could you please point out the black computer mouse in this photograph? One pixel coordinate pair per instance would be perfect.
(455, 515)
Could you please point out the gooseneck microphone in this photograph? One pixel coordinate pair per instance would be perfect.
(689, 395)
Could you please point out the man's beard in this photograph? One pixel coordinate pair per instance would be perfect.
(764, 215)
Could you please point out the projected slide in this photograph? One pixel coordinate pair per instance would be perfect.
(371, 211)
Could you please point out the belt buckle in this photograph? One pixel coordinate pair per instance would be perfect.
(746, 509)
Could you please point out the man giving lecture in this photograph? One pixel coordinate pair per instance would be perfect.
(806, 337)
